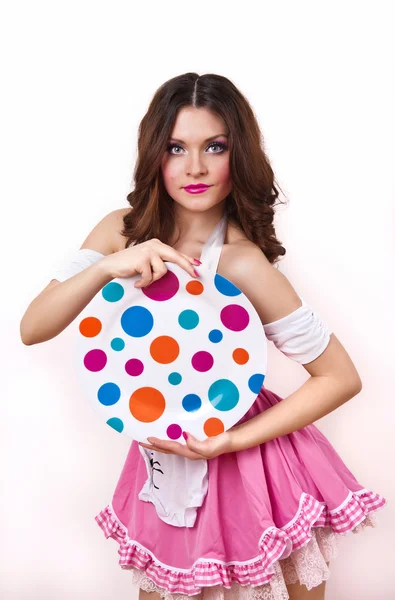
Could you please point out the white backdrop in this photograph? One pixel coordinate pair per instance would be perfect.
(77, 78)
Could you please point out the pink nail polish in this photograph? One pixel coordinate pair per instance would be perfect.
(197, 261)
(185, 435)
(196, 274)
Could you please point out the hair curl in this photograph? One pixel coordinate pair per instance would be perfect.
(251, 202)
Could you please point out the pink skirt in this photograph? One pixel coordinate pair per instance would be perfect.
(272, 516)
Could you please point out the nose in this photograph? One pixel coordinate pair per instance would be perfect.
(195, 165)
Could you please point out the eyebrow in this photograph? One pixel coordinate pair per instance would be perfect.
(208, 139)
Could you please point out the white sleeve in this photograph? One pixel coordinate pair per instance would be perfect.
(81, 259)
(301, 335)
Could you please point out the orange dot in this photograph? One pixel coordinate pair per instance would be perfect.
(164, 349)
(90, 326)
(213, 426)
(194, 287)
(147, 404)
(240, 356)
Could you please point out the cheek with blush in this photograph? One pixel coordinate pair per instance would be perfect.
(171, 176)
(223, 174)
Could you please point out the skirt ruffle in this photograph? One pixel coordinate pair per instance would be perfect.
(299, 551)
(307, 565)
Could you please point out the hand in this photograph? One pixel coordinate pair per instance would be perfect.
(194, 449)
(148, 259)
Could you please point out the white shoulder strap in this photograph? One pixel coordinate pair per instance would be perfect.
(212, 248)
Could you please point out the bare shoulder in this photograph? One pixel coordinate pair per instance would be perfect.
(269, 290)
(106, 236)
(120, 240)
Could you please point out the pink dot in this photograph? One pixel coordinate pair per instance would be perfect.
(234, 317)
(95, 360)
(202, 361)
(134, 367)
(164, 288)
(174, 431)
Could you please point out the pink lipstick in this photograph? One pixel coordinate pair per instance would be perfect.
(196, 189)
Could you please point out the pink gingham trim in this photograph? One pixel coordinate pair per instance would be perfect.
(351, 512)
(275, 543)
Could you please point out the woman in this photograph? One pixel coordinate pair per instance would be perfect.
(271, 495)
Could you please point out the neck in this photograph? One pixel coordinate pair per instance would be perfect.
(196, 227)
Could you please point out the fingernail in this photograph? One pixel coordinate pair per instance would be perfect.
(197, 261)
(185, 435)
(196, 274)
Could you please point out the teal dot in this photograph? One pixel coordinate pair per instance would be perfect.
(117, 344)
(255, 382)
(116, 424)
(113, 291)
(137, 321)
(108, 394)
(215, 336)
(188, 319)
(175, 378)
(225, 287)
(191, 402)
(223, 394)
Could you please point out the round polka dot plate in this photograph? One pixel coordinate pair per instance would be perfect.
(181, 354)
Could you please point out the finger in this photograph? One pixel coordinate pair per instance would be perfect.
(175, 448)
(165, 444)
(158, 268)
(194, 261)
(185, 262)
(146, 275)
(182, 451)
(164, 250)
(150, 447)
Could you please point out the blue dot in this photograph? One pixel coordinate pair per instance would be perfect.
(223, 394)
(116, 424)
(191, 402)
(225, 287)
(188, 319)
(137, 321)
(117, 344)
(108, 394)
(255, 382)
(113, 291)
(174, 378)
(215, 336)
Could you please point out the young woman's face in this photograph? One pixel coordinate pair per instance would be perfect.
(197, 154)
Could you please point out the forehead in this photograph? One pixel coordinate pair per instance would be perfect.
(196, 124)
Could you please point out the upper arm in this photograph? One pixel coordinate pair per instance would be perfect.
(103, 237)
(274, 297)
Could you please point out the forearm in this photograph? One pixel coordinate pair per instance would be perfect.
(317, 397)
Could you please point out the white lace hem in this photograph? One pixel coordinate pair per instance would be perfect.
(307, 564)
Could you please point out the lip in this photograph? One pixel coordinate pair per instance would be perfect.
(196, 188)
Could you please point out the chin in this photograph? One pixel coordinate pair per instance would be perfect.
(197, 204)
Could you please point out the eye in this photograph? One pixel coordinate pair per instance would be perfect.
(220, 145)
(170, 148)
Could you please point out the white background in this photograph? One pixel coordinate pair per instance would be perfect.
(76, 79)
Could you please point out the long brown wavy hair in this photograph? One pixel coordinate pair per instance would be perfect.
(251, 202)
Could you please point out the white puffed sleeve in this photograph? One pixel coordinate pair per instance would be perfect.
(301, 335)
(80, 260)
